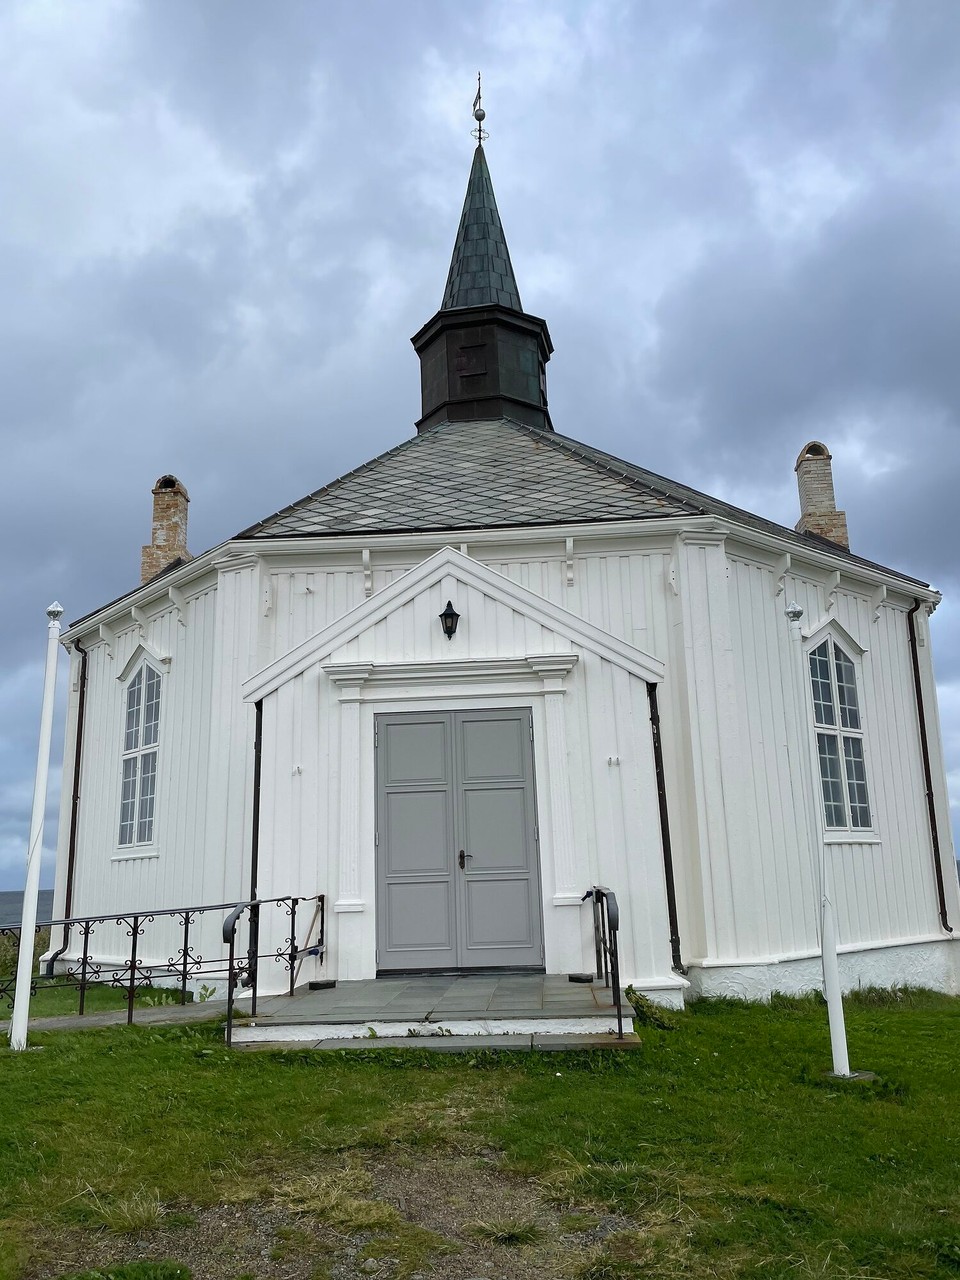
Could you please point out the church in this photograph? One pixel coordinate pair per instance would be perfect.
(456, 688)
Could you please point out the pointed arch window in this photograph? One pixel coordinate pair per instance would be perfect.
(141, 740)
(839, 734)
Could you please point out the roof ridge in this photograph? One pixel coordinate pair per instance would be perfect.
(677, 491)
(608, 463)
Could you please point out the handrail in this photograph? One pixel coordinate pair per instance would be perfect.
(606, 927)
(247, 972)
(130, 971)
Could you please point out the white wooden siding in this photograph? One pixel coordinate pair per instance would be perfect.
(165, 873)
(883, 883)
(745, 884)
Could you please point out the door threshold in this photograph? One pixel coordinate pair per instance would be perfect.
(472, 971)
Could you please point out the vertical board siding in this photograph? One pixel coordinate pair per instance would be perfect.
(614, 807)
(763, 652)
(883, 884)
(106, 881)
(252, 616)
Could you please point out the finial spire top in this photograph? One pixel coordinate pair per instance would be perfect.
(479, 115)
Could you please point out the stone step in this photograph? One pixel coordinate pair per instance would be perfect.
(417, 1030)
(458, 1044)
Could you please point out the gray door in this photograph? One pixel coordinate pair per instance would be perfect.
(458, 879)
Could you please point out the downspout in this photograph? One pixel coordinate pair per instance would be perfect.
(927, 771)
(255, 833)
(74, 810)
(678, 964)
(253, 946)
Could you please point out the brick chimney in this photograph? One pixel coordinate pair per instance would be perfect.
(169, 536)
(818, 506)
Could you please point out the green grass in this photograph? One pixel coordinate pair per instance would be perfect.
(722, 1145)
(57, 999)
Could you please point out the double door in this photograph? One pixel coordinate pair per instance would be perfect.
(458, 879)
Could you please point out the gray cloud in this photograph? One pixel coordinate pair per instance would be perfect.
(223, 222)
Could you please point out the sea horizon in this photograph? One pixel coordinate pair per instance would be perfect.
(11, 905)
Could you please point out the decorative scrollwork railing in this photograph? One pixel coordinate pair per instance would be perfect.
(88, 954)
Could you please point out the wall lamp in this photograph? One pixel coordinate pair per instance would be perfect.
(448, 620)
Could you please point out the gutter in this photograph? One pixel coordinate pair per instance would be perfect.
(74, 810)
(927, 770)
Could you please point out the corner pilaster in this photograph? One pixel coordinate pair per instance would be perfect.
(714, 734)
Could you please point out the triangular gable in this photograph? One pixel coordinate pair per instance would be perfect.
(143, 652)
(830, 626)
(471, 573)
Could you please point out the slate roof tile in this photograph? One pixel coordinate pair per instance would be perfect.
(502, 474)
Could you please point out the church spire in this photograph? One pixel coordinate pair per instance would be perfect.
(482, 356)
(480, 269)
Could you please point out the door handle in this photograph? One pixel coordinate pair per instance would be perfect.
(463, 859)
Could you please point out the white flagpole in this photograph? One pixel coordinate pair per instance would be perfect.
(828, 933)
(28, 920)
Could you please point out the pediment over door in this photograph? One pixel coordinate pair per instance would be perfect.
(503, 627)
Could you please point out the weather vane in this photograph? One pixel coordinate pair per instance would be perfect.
(479, 115)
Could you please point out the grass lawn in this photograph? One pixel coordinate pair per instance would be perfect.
(55, 999)
(719, 1149)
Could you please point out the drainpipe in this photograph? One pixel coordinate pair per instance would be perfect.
(255, 833)
(927, 770)
(74, 810)
(665, 831)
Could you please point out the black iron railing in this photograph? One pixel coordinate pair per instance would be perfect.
(88, 954)
(244, 972)
(606, 926)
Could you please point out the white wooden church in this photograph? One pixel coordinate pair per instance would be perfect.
(495, 666)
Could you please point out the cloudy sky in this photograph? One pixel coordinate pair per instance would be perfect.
(223, 219)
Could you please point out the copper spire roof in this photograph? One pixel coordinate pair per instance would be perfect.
(480, 270)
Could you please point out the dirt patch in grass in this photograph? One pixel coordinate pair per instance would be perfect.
(395, 1213)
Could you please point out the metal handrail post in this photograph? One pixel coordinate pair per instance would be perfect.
(253, 955)
(291, 963)
(132, 981)
(84, 964)
(186, 953)
(231, 983)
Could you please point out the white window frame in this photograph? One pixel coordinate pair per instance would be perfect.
(139, 749)
(853, 792)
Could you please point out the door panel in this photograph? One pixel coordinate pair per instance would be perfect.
(415, 752)
(419, 916)
(494, 830)
(416, 889)
(417, 826)
(450, 782)
(492, 748)
(498, 914)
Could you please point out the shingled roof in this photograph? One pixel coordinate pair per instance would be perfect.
(474, 475)
(503, 474)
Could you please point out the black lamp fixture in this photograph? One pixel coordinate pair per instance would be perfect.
(448, 620)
